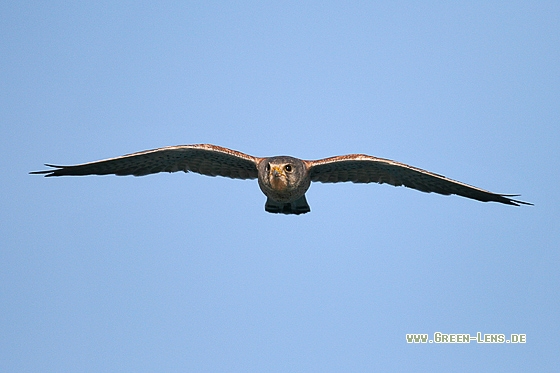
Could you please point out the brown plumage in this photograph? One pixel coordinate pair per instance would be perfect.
(284, 180)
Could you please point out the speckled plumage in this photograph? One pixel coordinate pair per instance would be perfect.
(284, 180)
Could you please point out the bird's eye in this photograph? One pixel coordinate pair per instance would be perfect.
(288, 168)
(267, 167)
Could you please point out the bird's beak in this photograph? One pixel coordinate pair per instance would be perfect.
(277, 171)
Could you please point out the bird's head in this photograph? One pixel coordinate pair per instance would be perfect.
(279, 175)
(282, 174)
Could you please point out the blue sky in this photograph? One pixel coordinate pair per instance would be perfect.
(182, 272)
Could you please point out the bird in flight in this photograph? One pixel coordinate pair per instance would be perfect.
(283, 179)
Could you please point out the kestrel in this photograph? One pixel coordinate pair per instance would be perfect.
(284, 180)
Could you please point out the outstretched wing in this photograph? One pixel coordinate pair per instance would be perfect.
(361, 168)
(204, 159)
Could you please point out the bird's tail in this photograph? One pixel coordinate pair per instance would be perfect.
(299, 206)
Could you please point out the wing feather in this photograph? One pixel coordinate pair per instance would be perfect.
(204, 159)
(361, 168)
